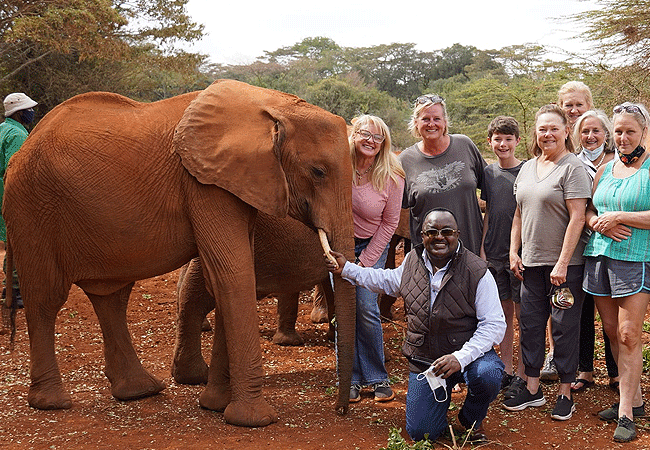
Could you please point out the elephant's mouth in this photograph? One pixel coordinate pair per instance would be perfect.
(326, 246)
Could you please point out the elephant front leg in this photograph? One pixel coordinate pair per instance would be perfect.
(217, 393)
(287, 315)
(129, 380)
(236, 315)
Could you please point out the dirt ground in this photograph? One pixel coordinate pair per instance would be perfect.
(299, 383)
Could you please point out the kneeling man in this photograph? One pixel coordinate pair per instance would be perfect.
(454, 318)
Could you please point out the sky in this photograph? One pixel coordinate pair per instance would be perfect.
(244, 30)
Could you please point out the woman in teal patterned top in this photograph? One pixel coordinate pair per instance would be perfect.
(617, 267)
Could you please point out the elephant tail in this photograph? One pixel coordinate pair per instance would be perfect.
(9, 307)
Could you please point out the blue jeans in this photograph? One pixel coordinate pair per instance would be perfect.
(368, 367)
(425, 415)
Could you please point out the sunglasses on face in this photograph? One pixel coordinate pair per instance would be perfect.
(445, 232)
(632, 109)
(378, 138)
(429, 98)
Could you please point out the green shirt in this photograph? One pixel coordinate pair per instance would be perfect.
(12, 136)
(631, 193)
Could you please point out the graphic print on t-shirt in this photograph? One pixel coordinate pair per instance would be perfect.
(441, 179)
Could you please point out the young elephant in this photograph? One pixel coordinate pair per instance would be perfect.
(107, 191)
(288, 259)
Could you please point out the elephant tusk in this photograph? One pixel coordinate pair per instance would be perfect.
(326, 246)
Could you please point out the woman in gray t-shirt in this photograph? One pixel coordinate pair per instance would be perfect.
(442, 170)
(552, 190)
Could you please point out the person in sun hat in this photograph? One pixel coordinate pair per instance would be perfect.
(19, 112)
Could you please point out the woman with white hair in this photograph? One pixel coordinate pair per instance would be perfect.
(617, 266)
(594, 137)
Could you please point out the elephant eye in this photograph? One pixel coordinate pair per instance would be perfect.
(318, 172)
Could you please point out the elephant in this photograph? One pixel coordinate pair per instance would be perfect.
(288, 259)
(106, 191)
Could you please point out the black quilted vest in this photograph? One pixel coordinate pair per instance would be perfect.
(432, 333)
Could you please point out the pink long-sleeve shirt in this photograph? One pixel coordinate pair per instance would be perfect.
(376, 215)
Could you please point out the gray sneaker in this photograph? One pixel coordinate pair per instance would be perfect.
(611, 414)
(625, 431)
(549, 370)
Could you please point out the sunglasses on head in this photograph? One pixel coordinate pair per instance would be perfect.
(632, 109)
(445, 232)
(378, 138)
(429, 98)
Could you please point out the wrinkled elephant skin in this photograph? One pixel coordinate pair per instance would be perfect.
(107, 191)
(288, 259)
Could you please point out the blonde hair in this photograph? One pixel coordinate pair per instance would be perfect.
(386, 164)
(578, 87)
(550, 109)
(604, 121)
(412, 126)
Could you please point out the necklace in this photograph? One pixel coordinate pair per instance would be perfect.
(601, 160)
(361, 175)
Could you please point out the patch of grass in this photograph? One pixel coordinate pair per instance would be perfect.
(646, 359)
(397, 442)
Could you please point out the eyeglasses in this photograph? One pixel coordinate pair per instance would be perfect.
(632, 109)
(445, 232)
(378, 138)
(433, 98)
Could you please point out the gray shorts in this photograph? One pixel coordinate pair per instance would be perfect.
(614, 278)
(509, 286)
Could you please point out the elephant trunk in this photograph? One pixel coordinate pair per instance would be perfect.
(345, 311)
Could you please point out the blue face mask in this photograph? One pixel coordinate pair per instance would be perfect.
(27, 116)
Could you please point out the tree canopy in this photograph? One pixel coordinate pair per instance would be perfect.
(54, 49)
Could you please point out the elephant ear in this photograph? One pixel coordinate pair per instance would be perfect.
(228, 137)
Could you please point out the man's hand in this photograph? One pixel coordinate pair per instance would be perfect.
(445, 366)
(340, 260)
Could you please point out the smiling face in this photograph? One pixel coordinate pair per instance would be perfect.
(367, 147)
(504, 145)
(628, 133)
(440, 248)
(551, 133)
(592, 133)
(431, 122)
(574, 105)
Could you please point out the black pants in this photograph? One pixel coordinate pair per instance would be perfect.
(587, 341)
(535, 311)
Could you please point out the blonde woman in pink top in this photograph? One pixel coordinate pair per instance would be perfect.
(377, 189)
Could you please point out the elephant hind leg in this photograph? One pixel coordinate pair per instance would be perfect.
(42, 304)
(129, 380)
(319, 310)
(286, 333)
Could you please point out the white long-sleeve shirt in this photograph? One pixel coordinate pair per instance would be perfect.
(489, 313)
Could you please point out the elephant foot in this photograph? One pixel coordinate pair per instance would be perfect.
(288, 338)
(319, 314)
(256, 413)
(49, 398)
(215, 398)
(193, 372)
(132, 388)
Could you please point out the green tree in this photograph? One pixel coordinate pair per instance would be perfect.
(55, 49)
